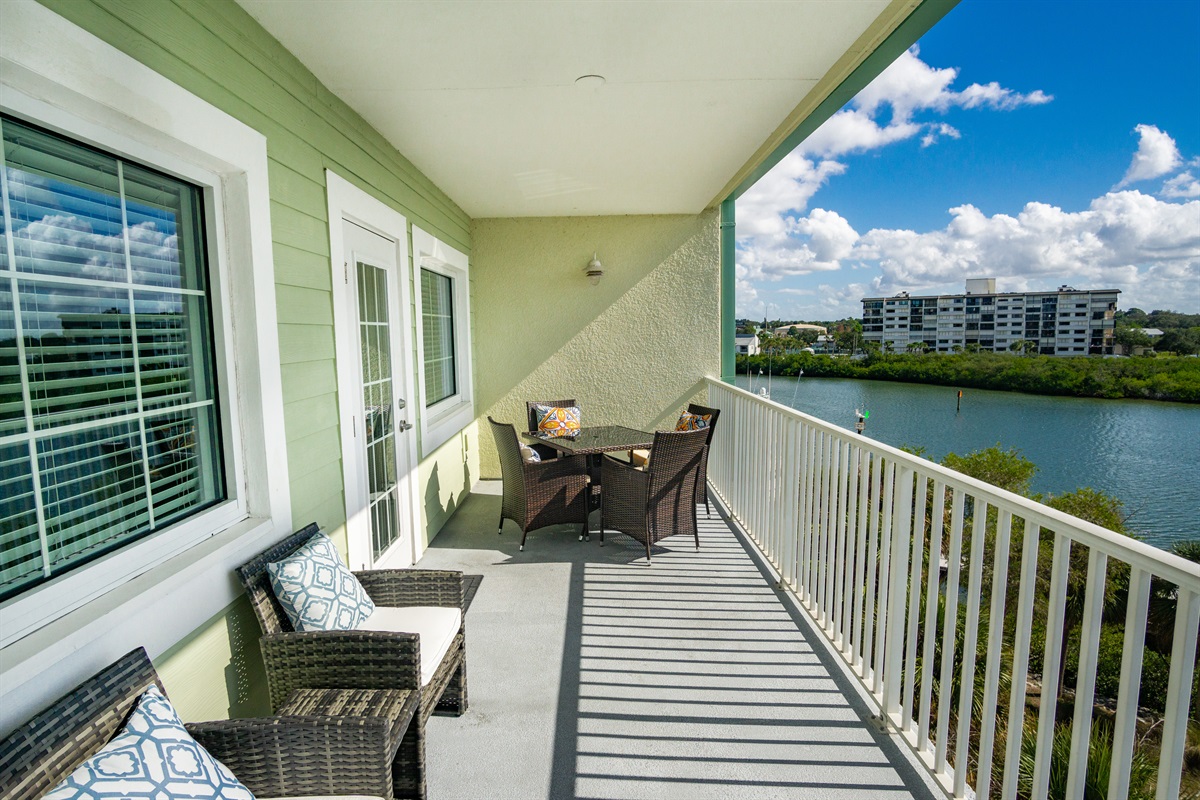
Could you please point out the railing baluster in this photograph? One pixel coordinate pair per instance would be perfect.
(1085, 681)
(893, 655)
(1179, 691)
(966, 693)
(831, 522)
(823, 527)
(991, 674)
(852, 553)
(1125, 726)
(932, 588)
(914, 601)
(868, 663)
(810, 535)
(1020, 673)
(1048, 701)
(860, 557)
(949, 629)
(839, 545)
(885, 560)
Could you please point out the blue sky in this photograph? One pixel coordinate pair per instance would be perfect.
(1039, 143)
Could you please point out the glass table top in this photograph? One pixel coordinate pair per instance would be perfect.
(598, 439)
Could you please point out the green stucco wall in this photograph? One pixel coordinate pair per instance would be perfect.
(217, 51)
(632, 350)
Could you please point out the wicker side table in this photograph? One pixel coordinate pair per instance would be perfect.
(395, 705)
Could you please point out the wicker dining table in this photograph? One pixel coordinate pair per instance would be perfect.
(594, 441)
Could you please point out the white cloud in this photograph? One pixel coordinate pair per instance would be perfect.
(1184, 184)
(770, 215)
(909, 85)
(1156, 156)
(787, 187)
(937, 131)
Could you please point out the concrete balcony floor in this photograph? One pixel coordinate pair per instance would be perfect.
(592, 675)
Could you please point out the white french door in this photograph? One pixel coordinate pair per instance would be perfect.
(373, 343)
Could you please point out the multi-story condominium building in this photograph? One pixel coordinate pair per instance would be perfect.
(1065, 322)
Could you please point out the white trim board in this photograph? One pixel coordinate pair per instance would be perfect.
(442, 421)
(348, 202)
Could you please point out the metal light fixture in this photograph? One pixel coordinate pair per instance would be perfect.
(594, 270)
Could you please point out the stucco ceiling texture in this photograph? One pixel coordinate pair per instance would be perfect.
(482, 96)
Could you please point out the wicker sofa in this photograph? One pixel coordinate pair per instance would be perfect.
(274, 757)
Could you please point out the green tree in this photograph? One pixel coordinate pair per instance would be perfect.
(1007, 469)
(1131, 337)
(1183, 342)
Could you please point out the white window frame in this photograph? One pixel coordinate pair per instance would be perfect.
(446, 418)
(155, 591)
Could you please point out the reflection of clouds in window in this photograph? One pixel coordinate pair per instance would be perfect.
(108, 288)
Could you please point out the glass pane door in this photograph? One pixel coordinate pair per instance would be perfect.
(374, 330)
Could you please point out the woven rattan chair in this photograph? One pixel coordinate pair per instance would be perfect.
(273, 757)
(702, 471)
(546, 452)
(658, 500)
(543, 493)
(640, 457)
(361, 659)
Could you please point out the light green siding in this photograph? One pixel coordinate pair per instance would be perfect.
(216, 50)
(632, 349)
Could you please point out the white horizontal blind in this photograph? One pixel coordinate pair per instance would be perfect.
(108, 419)
(437, 312)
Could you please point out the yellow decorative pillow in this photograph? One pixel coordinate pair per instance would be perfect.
(693, 422)
(554, 421)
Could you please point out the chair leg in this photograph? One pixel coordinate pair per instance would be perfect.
(524, 533)
(500, 526)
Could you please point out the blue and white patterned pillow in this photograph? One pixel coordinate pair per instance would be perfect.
(151, 758)
(316, 590)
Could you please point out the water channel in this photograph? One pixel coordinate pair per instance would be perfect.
(1145, 453)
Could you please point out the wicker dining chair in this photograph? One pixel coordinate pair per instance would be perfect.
(537, 494)
(659, 500)
(640, 457)
(286, 756)
(359, 659)
(544, 451)
(702, 471)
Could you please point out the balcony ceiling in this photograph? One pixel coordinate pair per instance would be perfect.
(482, 96)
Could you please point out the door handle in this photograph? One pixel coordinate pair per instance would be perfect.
(403, 425)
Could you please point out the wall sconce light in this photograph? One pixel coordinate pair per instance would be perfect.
(594, 270)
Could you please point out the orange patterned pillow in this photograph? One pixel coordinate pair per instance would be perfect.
(693, 422)
(553, 421)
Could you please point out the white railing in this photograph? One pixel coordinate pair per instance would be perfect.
(874, 541)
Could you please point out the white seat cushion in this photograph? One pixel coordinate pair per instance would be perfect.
(436, 625)
(640, 458)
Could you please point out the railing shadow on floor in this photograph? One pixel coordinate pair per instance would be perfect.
(695, 678)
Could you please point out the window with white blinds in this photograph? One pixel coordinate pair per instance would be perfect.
(109, 425)
(437, 318)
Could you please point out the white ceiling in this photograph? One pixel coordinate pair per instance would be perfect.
(481, 95)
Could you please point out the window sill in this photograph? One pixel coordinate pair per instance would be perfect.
(155, 610)
(439, 424)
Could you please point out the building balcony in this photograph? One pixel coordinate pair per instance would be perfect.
(822, 642)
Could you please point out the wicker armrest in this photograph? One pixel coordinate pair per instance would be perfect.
(340, 660)
(413, 587)
(563, 466)
(625, 481)
(303, 756)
